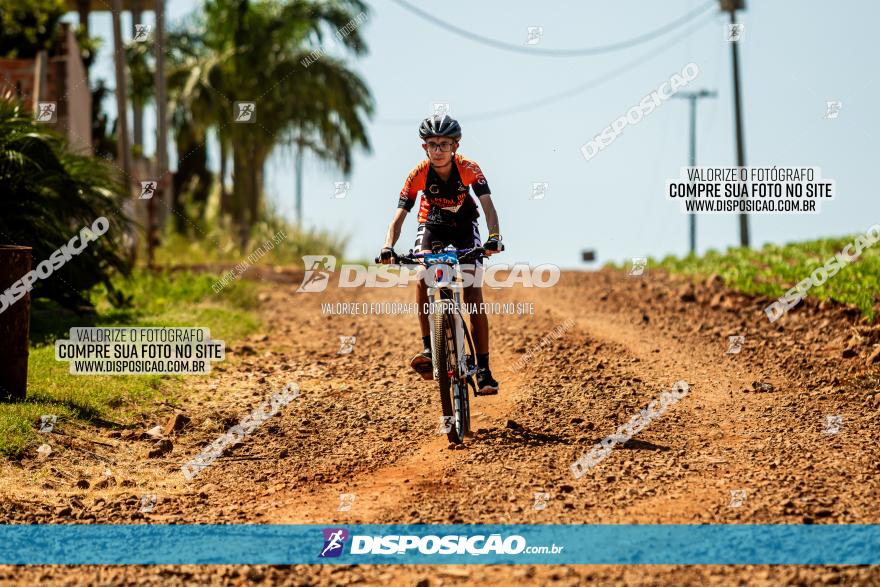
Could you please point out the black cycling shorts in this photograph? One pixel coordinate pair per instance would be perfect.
(463, 236)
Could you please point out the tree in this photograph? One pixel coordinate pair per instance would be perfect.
(194, 108)
(47, 195)
(261, 47)
(141, 85)
(26, 28)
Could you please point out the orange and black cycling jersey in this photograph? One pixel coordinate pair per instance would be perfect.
(444, 202)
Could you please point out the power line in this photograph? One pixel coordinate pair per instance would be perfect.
(532, 50)
(547, 100)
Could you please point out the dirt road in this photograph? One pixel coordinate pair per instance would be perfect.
(783, 431)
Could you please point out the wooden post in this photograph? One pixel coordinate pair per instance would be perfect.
(15, 263)
(161, 158)
(123, 152)
(137, 124)
(41, 75)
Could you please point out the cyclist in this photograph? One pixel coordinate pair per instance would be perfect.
(447, 214)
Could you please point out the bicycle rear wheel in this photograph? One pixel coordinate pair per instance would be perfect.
(453, 390)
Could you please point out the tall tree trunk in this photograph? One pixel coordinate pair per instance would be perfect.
(256, 167)
(241, 186)
(137, 128)
(300, 153)
(192, 163)
(225, 207)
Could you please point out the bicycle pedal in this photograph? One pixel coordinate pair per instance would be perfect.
(423, 366)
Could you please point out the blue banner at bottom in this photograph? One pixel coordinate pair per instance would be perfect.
(728, 544)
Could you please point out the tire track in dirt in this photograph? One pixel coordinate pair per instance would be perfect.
(367, 425)
(385, 491)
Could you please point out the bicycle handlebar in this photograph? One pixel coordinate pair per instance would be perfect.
(413, 258)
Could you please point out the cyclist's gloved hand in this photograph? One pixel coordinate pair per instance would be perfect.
(493, 243)
(388, 256)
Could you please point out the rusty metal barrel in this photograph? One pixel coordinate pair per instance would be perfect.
(15, 263)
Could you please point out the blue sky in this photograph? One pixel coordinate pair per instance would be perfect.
(794, 57)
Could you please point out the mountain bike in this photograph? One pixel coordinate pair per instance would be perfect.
(452, 349)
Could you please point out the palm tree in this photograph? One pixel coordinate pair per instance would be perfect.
(194, 108)
(48, 194)
(138, 56)
(322, 106)
(26, 28)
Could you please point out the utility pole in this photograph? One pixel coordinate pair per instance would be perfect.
(732, 6)
(692, 98)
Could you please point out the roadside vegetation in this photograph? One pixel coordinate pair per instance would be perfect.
(146, 299)
(773, 269)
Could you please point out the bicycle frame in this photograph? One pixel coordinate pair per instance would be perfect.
(454, 287)
(444, 296)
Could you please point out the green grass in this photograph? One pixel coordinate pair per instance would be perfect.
(772, 270)
(154, 299)
(218, 245)
(210, 238)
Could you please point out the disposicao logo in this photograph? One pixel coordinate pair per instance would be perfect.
(317, 274)
(334, 540)
(319, 270)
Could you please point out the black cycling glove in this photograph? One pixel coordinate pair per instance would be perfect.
(494, 243)
(388, 254)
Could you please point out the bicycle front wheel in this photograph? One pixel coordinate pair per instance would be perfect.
(453, 390)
